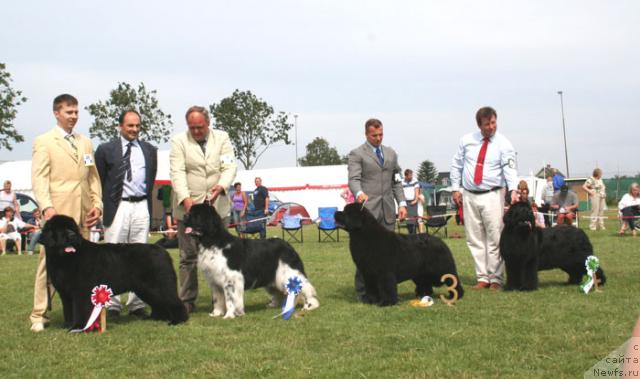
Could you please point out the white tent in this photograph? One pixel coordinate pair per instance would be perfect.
(312, 187)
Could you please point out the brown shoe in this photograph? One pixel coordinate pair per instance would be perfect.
(480, 285)
(495, 286)
(190, 307)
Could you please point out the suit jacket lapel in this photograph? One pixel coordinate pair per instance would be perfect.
(368, 151)
(64, 145)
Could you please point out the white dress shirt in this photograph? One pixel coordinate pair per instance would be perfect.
(499, 163)
(138, 185)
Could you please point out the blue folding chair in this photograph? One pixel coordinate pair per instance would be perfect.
(327, 226)
(292, 227)
(253, 228)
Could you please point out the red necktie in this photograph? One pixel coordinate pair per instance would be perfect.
(477, 178)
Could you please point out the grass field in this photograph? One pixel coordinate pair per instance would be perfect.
(554, 332)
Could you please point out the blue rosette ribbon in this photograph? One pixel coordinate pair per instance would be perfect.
(293, 288)
(592, 264)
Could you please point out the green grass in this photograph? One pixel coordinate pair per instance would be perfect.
(554, 332)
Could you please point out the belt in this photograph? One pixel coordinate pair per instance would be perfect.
(483, 191)
(134, 199)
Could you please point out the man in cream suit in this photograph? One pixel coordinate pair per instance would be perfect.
(65, 181)
(203, 167)
(374, 179)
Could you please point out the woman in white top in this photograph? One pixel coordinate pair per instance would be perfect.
(8, 198)
(629, 206)
(596, 189)
(9, 227)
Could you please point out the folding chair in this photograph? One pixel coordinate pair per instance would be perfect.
(437, 219)
(327, 225)
(292, 227)
(253, 228)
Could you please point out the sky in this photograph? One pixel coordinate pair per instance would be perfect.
(422, 67)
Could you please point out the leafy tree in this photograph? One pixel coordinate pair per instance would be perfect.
(427, 172)
(155, 125)
(251, 124)
(319, 153)
(9, 100)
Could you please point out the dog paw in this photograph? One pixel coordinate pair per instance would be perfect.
(311, 305)
(239, 312)
(216, 313)
(229, 315)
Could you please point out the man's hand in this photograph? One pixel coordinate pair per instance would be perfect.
(92, 217)
(402, 213)
(187, 204)
(215, 192)
(49, 212)
(362, 198)
(515, 197)
(456, 196)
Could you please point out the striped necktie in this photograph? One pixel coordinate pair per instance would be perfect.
(380, 156)
(124, 169)
(70, 138)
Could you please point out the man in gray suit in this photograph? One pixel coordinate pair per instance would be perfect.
(375, 180)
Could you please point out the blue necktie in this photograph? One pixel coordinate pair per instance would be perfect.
(380, 157)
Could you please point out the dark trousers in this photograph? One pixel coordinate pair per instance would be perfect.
(628, 215)
(188, 267)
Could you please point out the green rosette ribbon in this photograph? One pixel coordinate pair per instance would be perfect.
(592, 263)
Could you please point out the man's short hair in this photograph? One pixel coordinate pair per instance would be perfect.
(372, 122)
(484, 113)
(7, 182)
(124, 114)
(66, 99)
(199, 109)
(408, 171)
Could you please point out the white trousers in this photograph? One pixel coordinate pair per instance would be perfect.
(483, 225)
(130, 225)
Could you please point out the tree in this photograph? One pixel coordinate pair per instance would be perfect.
(319, 153)
(427, 172)
(251, 124)
(10, 99)
(155, 125)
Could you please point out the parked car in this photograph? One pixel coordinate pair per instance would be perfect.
(274, 202)
(27, 205)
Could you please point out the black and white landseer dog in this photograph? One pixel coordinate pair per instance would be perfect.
(76, 265)
(231, 265)
(527, 249)
(386, 258)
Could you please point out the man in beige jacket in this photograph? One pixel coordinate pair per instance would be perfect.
(65, 181)
(203, 167)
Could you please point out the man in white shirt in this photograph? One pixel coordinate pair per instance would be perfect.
(127, 168)
(483, 166)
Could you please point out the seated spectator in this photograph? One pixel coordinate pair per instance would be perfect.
(629, 206)
(170, 230)
(523, 192)
(565, 202)
(558, 181)
(9, 230)
(8, 198)
(411, 189)
(36, 219)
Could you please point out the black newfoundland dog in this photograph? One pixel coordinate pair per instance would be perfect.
(76, 265)
(385, 258)
(527, 249)
(230, 264)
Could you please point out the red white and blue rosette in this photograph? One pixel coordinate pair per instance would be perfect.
(100, 297)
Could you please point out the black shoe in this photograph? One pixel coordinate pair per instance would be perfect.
(112, 314)
(139, 313)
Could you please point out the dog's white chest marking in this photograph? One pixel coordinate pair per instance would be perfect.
(227, 285)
